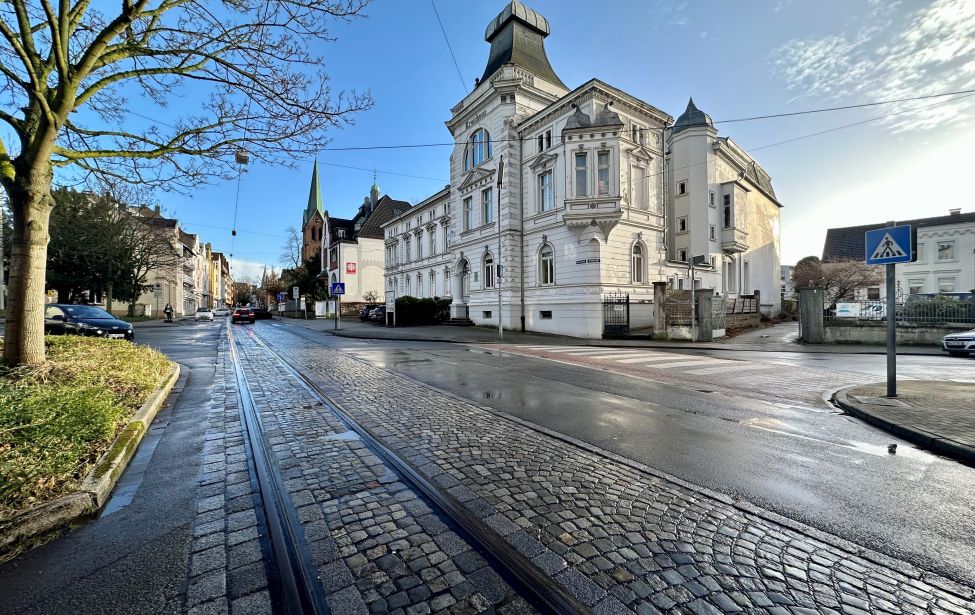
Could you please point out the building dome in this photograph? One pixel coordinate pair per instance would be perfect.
(691, 117)
(517, 10)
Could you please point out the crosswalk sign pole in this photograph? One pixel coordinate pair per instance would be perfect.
(891, 333)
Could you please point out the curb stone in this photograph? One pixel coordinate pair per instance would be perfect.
(94, 490)
(925, 439)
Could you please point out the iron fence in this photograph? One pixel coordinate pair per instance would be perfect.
(930, 311)
(616, 314)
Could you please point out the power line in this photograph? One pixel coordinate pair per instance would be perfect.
(227, 228)
(449, 48)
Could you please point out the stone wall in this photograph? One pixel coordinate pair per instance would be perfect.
(875, 332)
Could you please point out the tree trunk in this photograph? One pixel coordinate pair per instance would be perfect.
(30, 202)
(108, 298)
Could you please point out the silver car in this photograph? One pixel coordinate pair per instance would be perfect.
(204, 314)
(959, 344)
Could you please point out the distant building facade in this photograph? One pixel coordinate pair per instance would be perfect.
(417, 256)
(946, 255)
(599, 192)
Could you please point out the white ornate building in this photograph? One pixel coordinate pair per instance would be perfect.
(417, 256)
(579, 193)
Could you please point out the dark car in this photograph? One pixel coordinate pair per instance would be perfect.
(378, 314)
(366, 310)
(261, 313)
(68, 319)
(242, 314)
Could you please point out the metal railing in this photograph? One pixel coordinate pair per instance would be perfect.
(931, 311)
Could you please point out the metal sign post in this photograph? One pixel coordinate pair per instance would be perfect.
(337, 289)
(498, 261)
(887, 246)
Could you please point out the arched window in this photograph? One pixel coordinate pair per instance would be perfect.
(636, 264)
(478, 149)
(546, 265)
(488, 271)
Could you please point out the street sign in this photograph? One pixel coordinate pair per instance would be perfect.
(294, 292)
(350, 267)
(891, 244)
(157, 286)
(280, 296)
(157, 292)
(337, 288)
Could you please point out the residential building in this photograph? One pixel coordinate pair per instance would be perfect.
(353, 249)
(416, 253)
(599, 192)
(945, 248)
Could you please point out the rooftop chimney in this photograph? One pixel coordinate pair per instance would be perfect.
(955, 212)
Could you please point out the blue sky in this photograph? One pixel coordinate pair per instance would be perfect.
(736, 59)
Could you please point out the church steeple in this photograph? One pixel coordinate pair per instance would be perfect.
(314, 197)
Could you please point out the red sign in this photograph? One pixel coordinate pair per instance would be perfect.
(350, 267)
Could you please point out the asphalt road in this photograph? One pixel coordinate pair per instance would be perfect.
(804, 460)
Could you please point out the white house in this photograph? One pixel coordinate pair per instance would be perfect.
(417, 255)
(945, 247)
(584, 192)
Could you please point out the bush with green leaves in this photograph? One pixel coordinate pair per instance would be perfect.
(938, 310)
(58, 419)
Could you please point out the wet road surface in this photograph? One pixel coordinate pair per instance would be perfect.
(802, 458)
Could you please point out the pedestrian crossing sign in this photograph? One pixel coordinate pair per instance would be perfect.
(891, 244)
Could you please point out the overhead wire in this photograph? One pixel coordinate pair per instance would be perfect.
(449, 48)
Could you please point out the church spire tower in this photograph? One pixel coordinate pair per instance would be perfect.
(314, 198)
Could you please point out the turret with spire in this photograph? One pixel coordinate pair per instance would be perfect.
(314, 198)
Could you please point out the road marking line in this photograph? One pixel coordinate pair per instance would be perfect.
(687, 363)
(618, 355)
(647, 359)
(727, 368)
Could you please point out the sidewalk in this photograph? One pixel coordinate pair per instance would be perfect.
(777, 338)
(937, 415)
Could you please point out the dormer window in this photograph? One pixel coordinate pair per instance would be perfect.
(478, 149)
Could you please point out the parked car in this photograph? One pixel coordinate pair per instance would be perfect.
(366, 310)
(378, 314)
(242, 315)
(959, 344)
(68, 319)
(221, 311)
(204, 313)
(261, 313)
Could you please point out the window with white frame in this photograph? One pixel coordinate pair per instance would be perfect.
(682, 256)
(946, 285)
(711, 200)
(602, 173)
(432, 234)
(636, 264)
(638, 187)
(407, 278)
(446, 282)
(682, 224)
(714, 262)
(406, 243)
(478, 149)
(488, 271)
(445, 239)
(487, 206)
(546, 265)
(681, 187)
(713, 235)
(582, 173)
(680, 283)
(468, 213)
(920, 252)
(727, 211)
(546, 200)
(548, 139)
(419, 284)
(433, 283)
(419, 247)
(946, 251)
(746, 278)
(915, 286)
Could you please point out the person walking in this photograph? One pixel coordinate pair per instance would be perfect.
(168, 311)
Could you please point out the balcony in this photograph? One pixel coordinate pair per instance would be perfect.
(734, 239)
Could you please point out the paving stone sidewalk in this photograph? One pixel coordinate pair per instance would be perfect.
(378, 545)
(620, 537)
(938, 415)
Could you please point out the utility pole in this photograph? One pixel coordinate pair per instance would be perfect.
(499, 268)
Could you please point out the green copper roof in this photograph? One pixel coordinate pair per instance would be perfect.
(314, 197)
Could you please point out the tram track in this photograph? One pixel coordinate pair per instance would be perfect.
(530, 581)
(293, 583)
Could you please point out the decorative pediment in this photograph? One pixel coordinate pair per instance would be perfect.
(431, 226)
(418, 231)
(445, 221)
(543, 160)
(640, 152)
(475, 178)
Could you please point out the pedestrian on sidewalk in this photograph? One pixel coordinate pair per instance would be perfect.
(168, 311)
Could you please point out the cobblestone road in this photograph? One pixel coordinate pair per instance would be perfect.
(378, 546)
(621, 538)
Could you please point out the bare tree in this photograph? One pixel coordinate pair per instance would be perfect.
(839, 280)
(291, 251)
(68, 74)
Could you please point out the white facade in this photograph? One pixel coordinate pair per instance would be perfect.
(584, 204)
(946, 260)
(416, 253)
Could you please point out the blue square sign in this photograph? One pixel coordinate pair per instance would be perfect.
(337, 288)
(890, 244)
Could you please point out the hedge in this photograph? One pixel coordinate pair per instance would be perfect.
(421, 310)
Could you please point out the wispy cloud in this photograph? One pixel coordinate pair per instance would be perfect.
(925, 52)
(248, 270)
